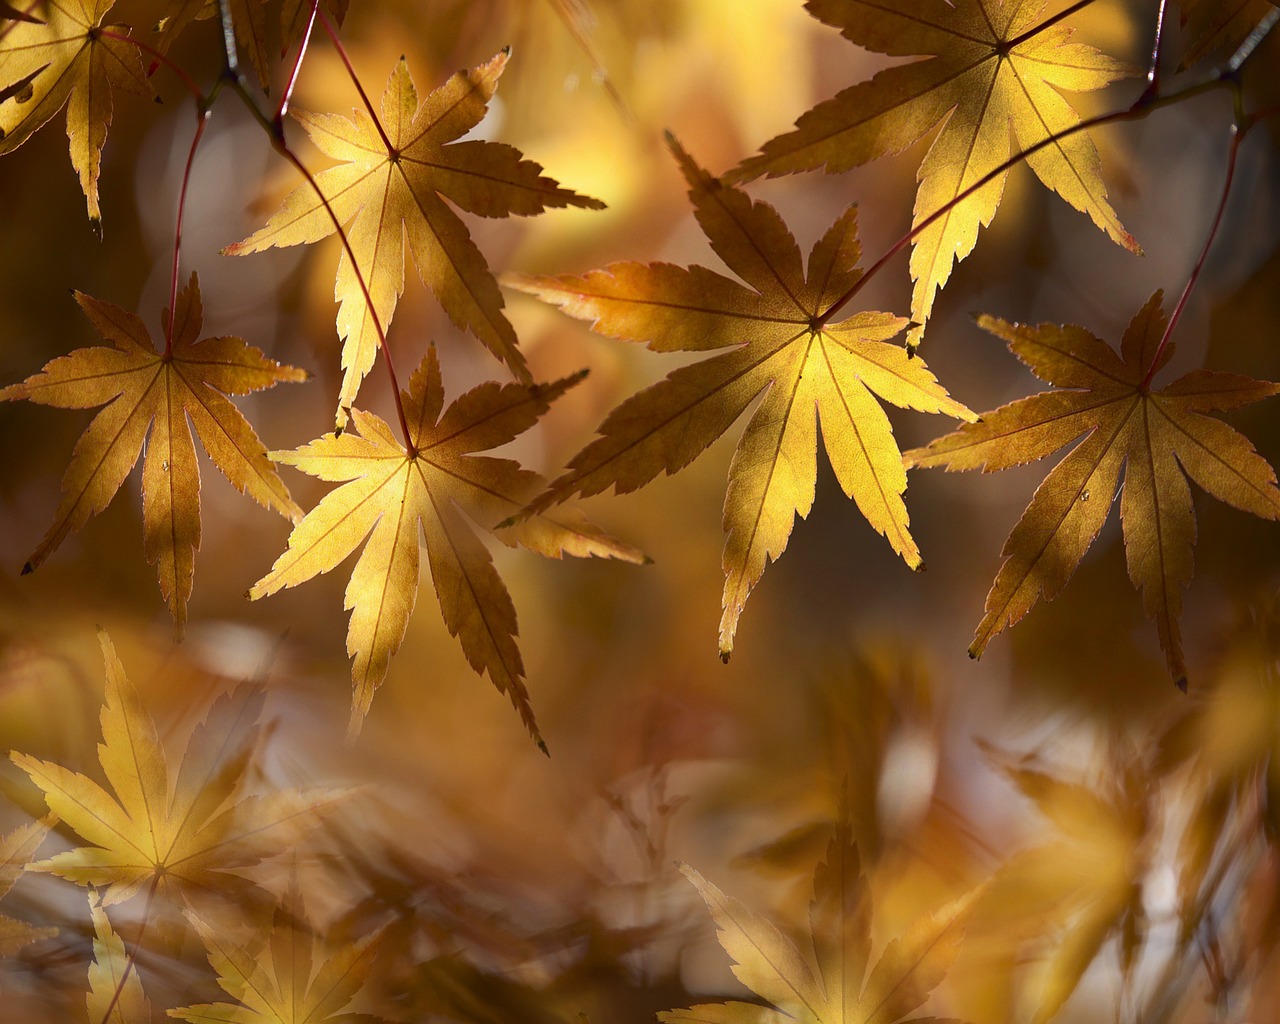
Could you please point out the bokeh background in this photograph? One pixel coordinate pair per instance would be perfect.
(520, 886)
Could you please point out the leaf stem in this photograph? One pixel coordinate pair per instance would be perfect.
(228, 38)
(202, 119)
(283, 107)
(1238, 131)
(355, 79)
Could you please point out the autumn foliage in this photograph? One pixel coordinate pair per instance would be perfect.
(847, 821)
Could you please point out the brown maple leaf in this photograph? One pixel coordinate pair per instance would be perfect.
(395, 172)
(57, 55)
(150, 395)
(1159, 438)
(247, 21)
(1219, 26)
(806, 370)
(188, 838)
(993, 69)
(846, 988)
(433, 483)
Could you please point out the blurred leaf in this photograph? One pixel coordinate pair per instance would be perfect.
(188, 840)
(16, 850)
(115, 988)
(846, 988)
(1217, 27)
(275, 980)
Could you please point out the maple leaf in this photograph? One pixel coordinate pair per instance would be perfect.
(396, 169)
(846, 988)
(189, 840)
(806, 370)
(274, 979)
(150, 395)
(63, 58)
(438, 482)
(1159, 438)
(247, 21)
(993, 68)
(1216, 26)
(1088, 881)
(16, 849)
(115, 989)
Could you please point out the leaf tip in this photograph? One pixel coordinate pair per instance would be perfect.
(1181, 683)
(95, 225)
(27, 569)
(724, 656)
(542, 745)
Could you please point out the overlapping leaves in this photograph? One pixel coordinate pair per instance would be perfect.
(433, 486)
(993, 68)
(846, 988)
(779, 347)
(390, 185)
(1158, 438)
(149, 396)
(188, 838)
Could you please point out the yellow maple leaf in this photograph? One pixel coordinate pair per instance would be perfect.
(436, 481)
(396, 169)
(274, 978)
(1085, 883)
(805, 369)
(16, 850)
(150, 395)
(846, 988)
(994, 68)
(1159, 438)
(115, 987)
(189, 838)
(57, 57)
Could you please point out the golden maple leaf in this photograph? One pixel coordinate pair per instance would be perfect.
(993, 68)
(115, 987)
(274, 979)
(846, 988)
(806, 370)
(57, 55)
(396, 169)
(16, 850)
(150, 395)
(1086, 883)
(188, 838)
(437, 481)
(1160, 438)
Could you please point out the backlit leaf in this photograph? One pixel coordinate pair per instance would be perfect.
(806, 372)
(150, 395)
(995, 69)
(437, 486)
(385, 190)
(1159, 439)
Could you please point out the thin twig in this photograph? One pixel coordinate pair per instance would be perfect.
(202, 119)
(283, 107)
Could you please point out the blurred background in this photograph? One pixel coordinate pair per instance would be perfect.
(520, 886)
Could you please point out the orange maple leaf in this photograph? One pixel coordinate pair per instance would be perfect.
(149, 397)
(57, 55)
(1159, 438)
(777, 345)
(993, 68)
(438, 481)
(395, 171)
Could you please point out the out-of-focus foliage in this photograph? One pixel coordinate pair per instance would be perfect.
(1107, 844)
